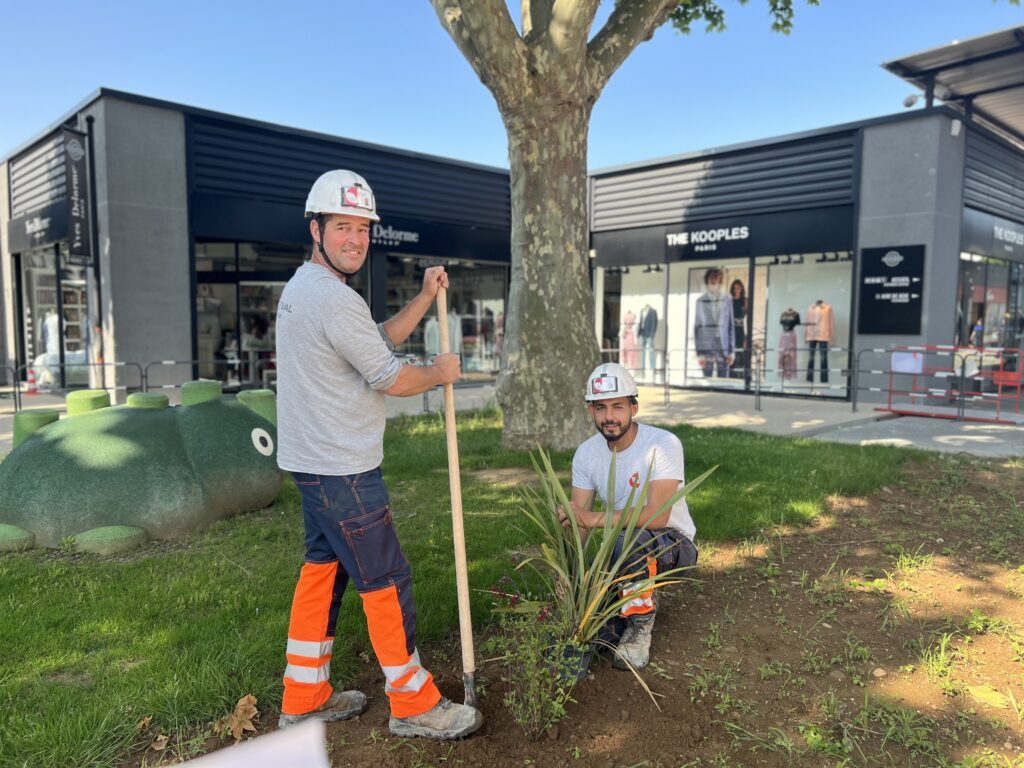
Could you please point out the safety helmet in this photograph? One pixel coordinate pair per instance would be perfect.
(342, 192)
(610, 380)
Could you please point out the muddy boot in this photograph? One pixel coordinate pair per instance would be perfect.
(341, 706)
(634, 649)
(444, 721)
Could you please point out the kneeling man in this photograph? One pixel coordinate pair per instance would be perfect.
(639, 450)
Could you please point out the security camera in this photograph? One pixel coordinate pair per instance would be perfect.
(911, 100)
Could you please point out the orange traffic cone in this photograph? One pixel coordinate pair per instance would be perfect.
(32, 389)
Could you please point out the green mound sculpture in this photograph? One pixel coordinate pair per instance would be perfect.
(146, 465)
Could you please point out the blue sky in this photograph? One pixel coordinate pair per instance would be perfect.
(385, 72)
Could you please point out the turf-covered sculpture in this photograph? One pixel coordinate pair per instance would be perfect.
(103, 477)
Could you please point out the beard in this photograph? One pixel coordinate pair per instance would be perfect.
(619, 432)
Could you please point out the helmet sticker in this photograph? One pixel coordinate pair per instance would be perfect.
(357, 197)
(602, 385)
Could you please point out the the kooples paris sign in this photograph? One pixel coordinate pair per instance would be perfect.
(891, 287)
(729, 239)
(79, 241)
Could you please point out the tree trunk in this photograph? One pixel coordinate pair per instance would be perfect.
(550, 345)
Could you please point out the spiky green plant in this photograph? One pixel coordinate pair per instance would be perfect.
(583, 576)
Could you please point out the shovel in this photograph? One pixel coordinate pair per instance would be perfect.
(458, 533)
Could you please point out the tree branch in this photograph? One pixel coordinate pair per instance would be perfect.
(536, 20)
(629, 25)
(570, 25)
(486, 35)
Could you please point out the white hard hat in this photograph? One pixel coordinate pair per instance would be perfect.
(610, 380)
(342, 192)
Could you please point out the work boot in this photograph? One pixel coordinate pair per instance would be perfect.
(634, 649)
(341, 706)
(445, 721)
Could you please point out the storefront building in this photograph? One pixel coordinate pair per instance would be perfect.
(139, 231)
(771, 265)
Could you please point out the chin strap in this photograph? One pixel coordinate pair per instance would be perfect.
(320, 247)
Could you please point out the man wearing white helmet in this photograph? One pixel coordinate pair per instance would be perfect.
(642, 453)
(335, 365)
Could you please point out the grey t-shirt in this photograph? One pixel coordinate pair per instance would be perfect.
(333, 365)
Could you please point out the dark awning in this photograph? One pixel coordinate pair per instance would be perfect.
(983, 76)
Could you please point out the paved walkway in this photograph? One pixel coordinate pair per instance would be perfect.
(816, 418)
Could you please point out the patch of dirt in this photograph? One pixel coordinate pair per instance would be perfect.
(504, 476)
(871, 637)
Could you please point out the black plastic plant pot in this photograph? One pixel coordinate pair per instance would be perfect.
(575, 662)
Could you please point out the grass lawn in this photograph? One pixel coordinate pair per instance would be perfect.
(179, 631)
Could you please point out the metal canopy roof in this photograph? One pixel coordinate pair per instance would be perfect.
(983, 76)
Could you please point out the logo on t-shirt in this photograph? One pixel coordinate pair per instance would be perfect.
(634, 481)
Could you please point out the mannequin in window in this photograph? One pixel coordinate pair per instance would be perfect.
(51, 333)
(819, 331)
(646, 332)
(789, 320)
(209, 336)
(739, 324)
(713, 327)
(499, 335)
(432, 335)
(628, 351)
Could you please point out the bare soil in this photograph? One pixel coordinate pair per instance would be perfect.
(889, 633)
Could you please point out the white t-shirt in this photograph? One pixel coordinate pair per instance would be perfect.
(593, 461)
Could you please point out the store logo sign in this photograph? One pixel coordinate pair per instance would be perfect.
(892, 259)
(1009, 236)
(74, 148)
(36, 228)
(707, 239)
(391, 236)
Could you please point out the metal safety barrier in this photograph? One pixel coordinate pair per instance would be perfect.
(943, 381)
(26, 373)
(12, 390)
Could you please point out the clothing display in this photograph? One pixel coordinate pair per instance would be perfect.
(789, 319)
(820, 323)
(822, 347)
(648, 328)
(432, 335)
(629, 351)
(819, 331)
(787, 355)
(713, 331)
(739, 336)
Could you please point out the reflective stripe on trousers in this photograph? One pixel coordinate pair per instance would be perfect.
(409, 686)
(643, 602)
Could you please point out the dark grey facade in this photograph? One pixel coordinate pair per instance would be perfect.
(197, 221)
(789, 221)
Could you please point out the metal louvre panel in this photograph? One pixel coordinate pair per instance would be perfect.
(773, 178)
(245, 162)
(993, 178)
(38, 177)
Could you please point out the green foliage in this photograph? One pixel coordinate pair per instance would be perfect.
(538, 668)
(688, 12)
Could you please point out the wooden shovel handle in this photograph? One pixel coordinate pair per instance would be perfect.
(458, 532)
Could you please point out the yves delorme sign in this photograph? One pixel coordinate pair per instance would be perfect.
(891, 290)
(65, 218)
(79, 241)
